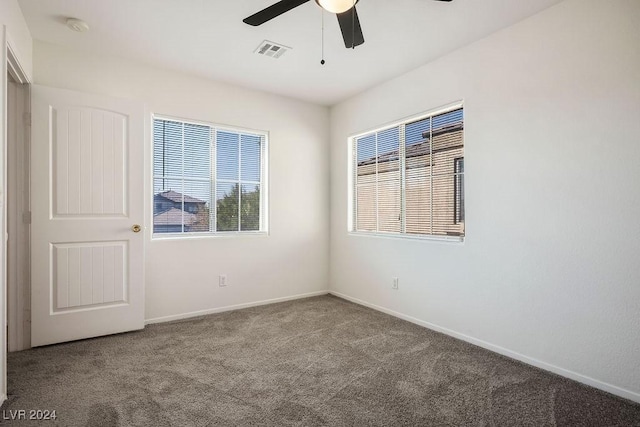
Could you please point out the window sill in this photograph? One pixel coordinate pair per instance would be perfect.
(440, 239)
(197, 236)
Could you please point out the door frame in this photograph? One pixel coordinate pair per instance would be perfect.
(9, 63)
(17, 208)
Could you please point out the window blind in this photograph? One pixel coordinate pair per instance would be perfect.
(197, 164)
(409, 178)
(238, 181)
(378, 181)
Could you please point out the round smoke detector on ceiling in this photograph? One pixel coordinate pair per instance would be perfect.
(77, 25)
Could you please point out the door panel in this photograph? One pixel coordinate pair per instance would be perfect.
(89, 147)
(87, 192)
(89, 274)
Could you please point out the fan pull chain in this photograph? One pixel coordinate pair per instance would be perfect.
(322, 61)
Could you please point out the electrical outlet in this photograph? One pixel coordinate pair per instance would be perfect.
(222, 280)
(394, 285)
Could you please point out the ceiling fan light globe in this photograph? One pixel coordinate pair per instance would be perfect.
(336, 6)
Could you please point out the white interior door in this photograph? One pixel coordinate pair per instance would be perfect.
(87, 194)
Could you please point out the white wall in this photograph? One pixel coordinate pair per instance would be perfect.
(182, 274)
(549, 271)
(18, 34)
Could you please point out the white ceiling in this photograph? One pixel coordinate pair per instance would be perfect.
(208, 38)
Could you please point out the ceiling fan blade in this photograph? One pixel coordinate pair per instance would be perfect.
(273, 11)
(350, 27)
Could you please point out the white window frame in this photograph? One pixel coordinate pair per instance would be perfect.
(264, 181)
(351, 180)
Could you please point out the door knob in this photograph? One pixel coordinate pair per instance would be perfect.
(136, 228)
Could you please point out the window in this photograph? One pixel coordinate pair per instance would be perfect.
(207, 179)
(408, 178)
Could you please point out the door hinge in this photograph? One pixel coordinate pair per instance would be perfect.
(26, 118)
(26, 218)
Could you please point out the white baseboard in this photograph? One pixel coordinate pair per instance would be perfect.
(618, 391)
(231, 307)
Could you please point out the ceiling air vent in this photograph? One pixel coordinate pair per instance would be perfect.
(271, 49)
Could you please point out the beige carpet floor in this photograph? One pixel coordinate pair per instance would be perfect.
(311, 362)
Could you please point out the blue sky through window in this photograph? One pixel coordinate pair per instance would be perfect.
(228, 154)
(182, 159)
(387, 141)
(250, 157)
(414, 131)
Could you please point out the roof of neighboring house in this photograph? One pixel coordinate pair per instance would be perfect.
(174, 196)
(413, 150)
(174, 217)
(451, 127)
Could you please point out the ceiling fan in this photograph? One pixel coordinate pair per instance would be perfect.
(345, 10)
